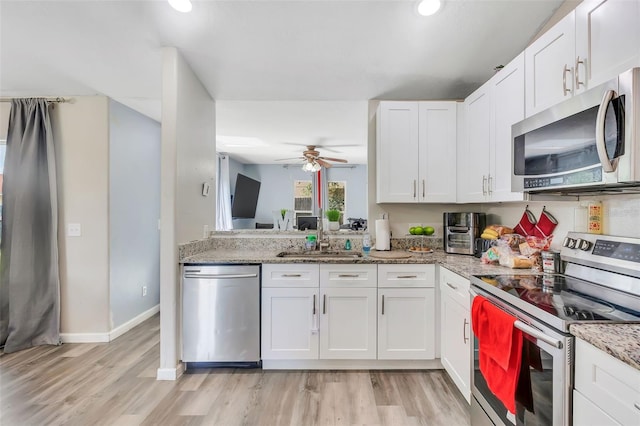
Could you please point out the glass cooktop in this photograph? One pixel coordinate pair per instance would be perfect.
(564, 298)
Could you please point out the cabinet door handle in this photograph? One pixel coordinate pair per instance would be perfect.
(424, 185)
(464, 331)
(489, 185)
(324, 304)
(484, 185)
(637, 405)
(565, 70)
(314, 304)
(291, 275)
(383, 304)
(407, 276)
(348, 275)
(452, 286)
(577, 72)
(414, 188)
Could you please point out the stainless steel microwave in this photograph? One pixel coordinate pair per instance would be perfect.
(588, 142)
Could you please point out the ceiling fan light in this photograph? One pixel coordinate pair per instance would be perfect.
(316, 167)
(183, 6)
(428, 7)
(307, 167)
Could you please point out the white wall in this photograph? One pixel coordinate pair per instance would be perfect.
(134, 211)
(188, 159)
(81, 135)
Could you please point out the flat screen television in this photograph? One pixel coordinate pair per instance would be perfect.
(245, 198)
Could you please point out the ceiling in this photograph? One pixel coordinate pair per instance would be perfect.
(313, 62)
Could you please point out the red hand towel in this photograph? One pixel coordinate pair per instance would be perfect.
(500, 349)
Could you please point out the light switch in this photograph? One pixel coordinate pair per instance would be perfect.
(74, 230)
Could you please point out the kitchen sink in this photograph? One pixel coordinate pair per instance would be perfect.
(320, 254)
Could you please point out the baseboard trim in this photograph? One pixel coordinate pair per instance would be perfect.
(120, 330)
(113, 334)
(343, 364)
(170, 373)
(84, 337)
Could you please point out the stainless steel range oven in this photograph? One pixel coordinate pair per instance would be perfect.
(601, 283)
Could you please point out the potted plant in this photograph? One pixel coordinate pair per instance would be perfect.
(334, 217)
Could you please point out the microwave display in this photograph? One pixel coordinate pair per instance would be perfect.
(564, 152)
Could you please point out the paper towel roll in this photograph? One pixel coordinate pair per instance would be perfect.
(383, 235)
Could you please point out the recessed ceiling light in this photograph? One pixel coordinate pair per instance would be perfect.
(428, 7)
(183, 6)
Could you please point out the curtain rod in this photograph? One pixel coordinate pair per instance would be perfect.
(52, 100)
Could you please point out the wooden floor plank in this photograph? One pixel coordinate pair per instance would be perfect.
(114, 384)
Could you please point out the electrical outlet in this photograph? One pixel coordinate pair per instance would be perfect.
(144, 290)
(205, 231)
(74, 230)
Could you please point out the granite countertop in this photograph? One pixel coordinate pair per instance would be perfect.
(460, 264)
(622, 341)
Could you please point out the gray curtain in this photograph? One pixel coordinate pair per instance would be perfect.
(30, 284)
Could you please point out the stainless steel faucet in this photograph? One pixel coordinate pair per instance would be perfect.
(323, 240)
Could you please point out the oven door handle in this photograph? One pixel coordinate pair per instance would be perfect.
(534, 332)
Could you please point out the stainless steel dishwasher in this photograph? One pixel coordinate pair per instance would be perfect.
(221, 314)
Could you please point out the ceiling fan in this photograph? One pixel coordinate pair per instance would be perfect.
(312, 161)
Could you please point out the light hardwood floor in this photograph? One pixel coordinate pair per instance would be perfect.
(114, 384)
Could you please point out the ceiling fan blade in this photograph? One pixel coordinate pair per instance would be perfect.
(323, 163)
(289, 159)
(339, 160)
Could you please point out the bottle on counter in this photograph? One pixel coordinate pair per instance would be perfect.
(347, 245)
(366, 243)
(594, 225)
(310, 243)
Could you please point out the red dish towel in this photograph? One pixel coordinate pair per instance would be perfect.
(500, 349)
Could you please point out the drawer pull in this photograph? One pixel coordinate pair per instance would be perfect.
(452, 286)
(314, 304)
(324, 304)
(383, 304)
(291, 275)
(407, 276)
(637, 405)
(348, 276)
(464, 331)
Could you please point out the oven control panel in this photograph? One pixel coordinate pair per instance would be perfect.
(617, 250)
(607, 252)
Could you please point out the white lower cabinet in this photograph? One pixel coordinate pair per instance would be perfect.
(455, 329)
(349, 312)
(348, 323)
(289, 323)
(406, 323)
(608, 385)
(587, 413)
(406, 312)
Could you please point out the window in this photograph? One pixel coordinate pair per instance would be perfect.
(336, 199)
(302, 198)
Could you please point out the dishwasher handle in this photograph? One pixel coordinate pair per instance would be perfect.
(219, 276)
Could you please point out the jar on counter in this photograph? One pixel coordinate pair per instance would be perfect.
(551, 262)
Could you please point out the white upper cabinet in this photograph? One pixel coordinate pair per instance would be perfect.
(416, 152)
(607, 40)
(437, 152)
(485, 158)
(473, 163)
(508, 109)
(591, 45)
(549, 66)
(397, 152)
